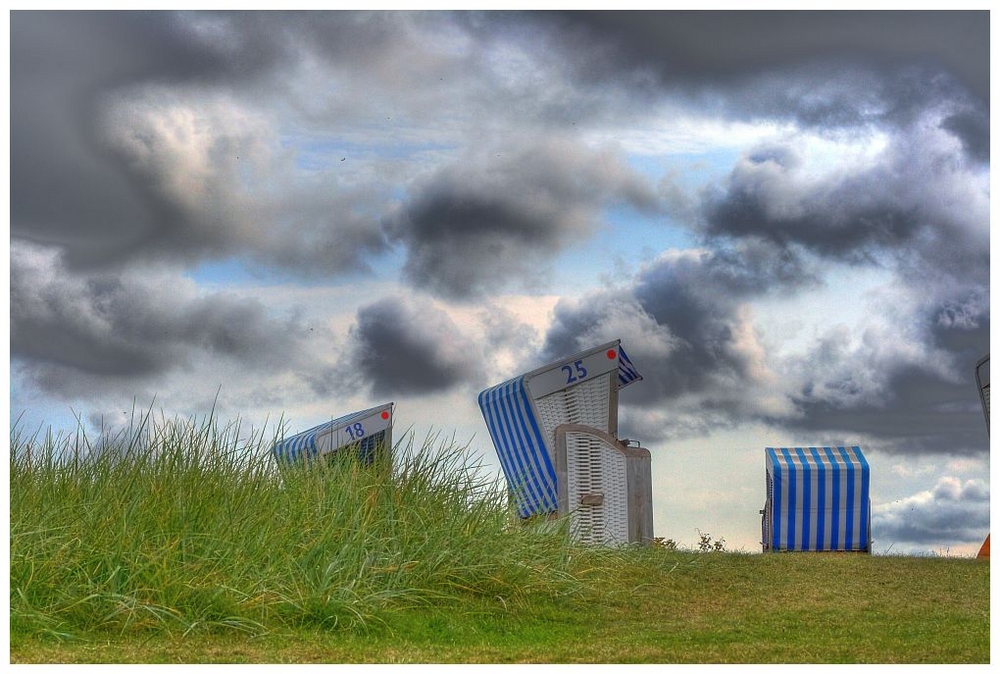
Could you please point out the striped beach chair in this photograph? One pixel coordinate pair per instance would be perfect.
(555, 431)
(367, 433)
(817, 499)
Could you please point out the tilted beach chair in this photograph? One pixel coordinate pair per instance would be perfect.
(367, 433)
(555, 430)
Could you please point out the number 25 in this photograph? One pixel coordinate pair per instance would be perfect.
(574, 373)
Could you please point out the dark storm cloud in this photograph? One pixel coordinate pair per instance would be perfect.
(406, 346)
(954, 512)
(101, 49)
(693, 284)
(925, 405)
(687, 322)
(64, 187)
(99, 114)
(683, 317)
(696, 298)
(920, 411)
(750, 41)
(119, 325)
(960, 325)
(889, 208)
(136, 136)
(888, 211)
(973, 130)
(700, 51)
(93, 173)
(689, 388)
(764, 196)
(495, 218)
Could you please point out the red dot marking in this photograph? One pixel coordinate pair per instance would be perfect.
(612, 354)
(385, 415)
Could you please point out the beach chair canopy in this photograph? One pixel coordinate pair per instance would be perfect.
(522, 414)
(817, 499)
(366, 430)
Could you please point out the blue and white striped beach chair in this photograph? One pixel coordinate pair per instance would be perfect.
(367, 432)
(817, 499)
(555, 433)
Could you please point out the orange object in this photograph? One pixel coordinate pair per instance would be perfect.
(984, 552)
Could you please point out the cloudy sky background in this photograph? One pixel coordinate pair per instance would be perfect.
(784, 216)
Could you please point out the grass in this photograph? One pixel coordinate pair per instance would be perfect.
(179, 541)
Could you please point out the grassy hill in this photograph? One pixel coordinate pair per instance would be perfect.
(179, 542)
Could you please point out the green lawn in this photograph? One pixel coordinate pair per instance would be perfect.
(656, 606)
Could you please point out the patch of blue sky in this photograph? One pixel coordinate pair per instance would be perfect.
(627, 236)
(33, 416)
(221, 273)
(690, 171)
(244, 272)
(632, 234)
(321, 154)
(626, 239)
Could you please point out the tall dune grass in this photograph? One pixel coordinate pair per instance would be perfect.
(182, 525)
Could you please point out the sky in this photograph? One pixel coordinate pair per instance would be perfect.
(283, 217)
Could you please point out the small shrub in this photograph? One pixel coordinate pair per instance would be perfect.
(706, 544)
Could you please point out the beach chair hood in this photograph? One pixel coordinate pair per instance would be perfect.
(365, 429)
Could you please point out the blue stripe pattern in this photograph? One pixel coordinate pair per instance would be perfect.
(820, 498)
(520, 445)
(821, 505)
(835, 501)
(627, 374)
(303, 445)
(520, 441)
